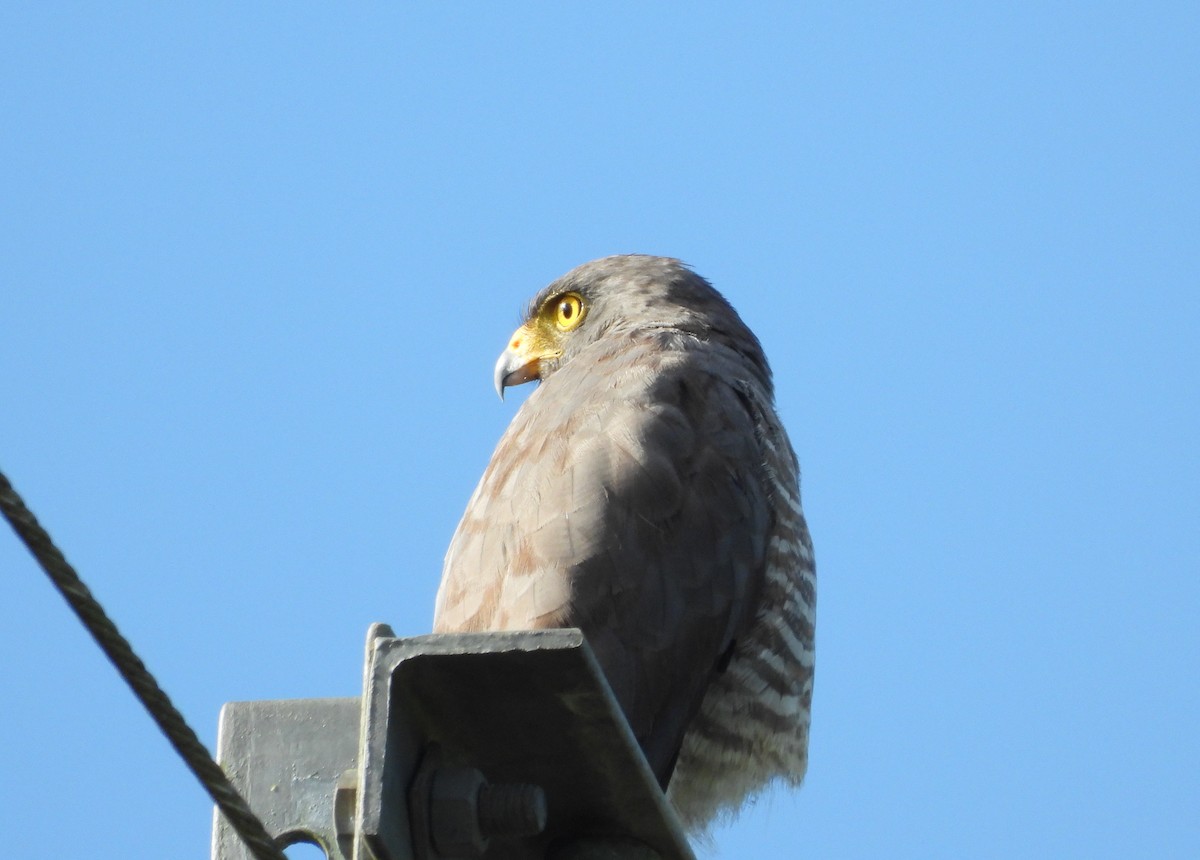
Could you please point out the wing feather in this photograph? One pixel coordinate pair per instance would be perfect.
(632, 504)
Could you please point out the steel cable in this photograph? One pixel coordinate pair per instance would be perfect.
(194, 754)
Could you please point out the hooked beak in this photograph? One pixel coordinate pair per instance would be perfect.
(518, 364)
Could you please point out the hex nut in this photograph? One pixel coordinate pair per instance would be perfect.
(454, 813)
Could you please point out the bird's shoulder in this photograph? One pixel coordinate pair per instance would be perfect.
(644, 458)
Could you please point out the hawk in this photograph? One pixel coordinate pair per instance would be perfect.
(647, 493)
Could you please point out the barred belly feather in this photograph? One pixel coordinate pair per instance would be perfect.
(752, 726)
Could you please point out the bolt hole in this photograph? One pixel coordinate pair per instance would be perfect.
(304, 850)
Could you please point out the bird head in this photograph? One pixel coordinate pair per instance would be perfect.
(620, 296)
(539, 343)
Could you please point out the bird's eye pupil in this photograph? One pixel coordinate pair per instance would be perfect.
(567, 310)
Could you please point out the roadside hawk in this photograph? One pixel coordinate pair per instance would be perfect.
(647, 493)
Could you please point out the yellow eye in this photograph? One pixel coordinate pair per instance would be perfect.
(568, 311)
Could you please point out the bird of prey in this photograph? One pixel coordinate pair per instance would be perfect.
(647, 493)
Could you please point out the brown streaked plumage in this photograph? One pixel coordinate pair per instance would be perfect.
(647, 493)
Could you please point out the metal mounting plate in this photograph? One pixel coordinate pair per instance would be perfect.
(522, 707)
(287, 757)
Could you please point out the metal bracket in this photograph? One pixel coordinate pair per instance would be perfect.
(502, 746)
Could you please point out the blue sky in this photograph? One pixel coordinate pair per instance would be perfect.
(258, 263)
